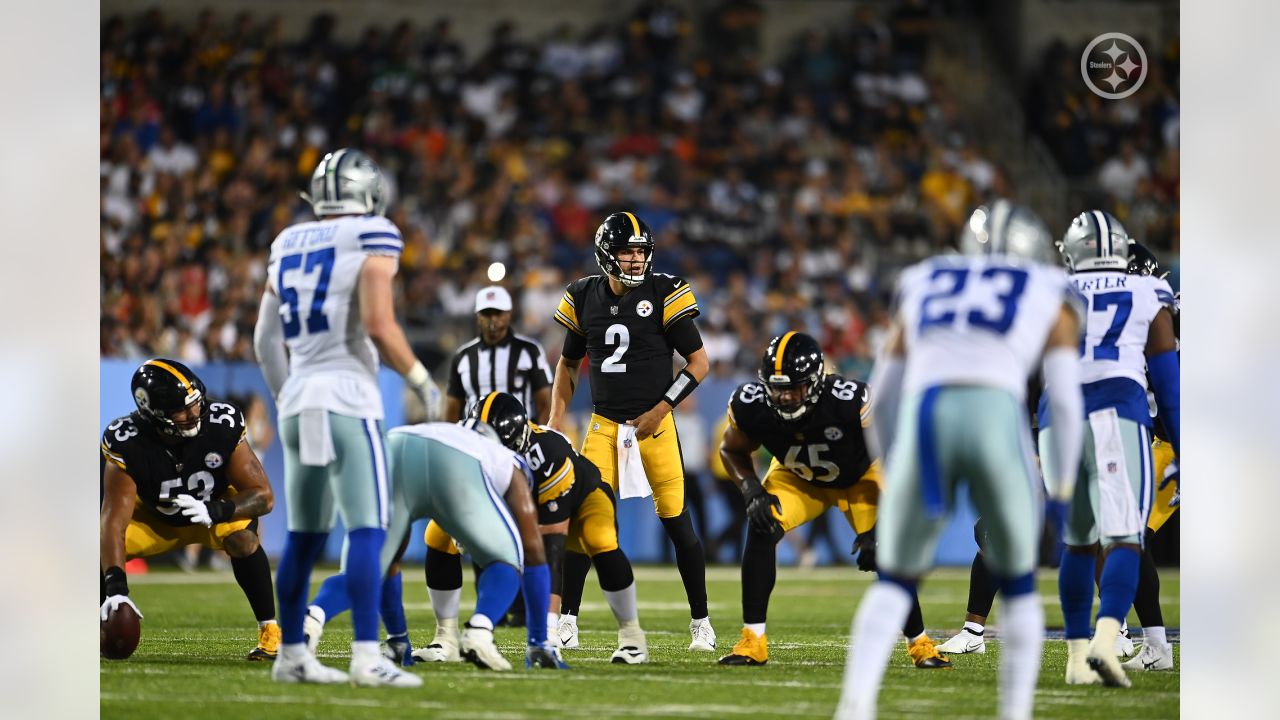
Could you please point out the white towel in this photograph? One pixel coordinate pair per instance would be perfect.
(632, 482)
(315, 443)
(1117, 507)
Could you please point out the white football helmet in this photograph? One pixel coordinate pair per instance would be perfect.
(1006, 228)
(1096, 241)
(347, 182)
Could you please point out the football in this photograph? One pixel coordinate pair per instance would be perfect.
(119, 634)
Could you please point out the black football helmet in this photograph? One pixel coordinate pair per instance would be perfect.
(1144, 262)
(793, 361)
(507, 416)
(481, 428)
(163, 389)
(619, 231)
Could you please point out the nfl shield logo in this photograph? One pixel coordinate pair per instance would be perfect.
(613, 309)
(626, 443)
(1111, 467)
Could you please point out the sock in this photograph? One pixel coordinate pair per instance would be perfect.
(913, 628)
(293, 651)
(623, 603)
(536, 583)
(499, 582)
(333, 598)
(576, 567)
(1119, 583)
(757, 628)
(874, 633)
(364, 581)
(1075, 590)
(1021, 644)
(759, 574)
(613, 569)
(974, 627)
(366, 650)
(253, 573)
(393, 605)
(691, 561)
(1155, 636)
(293, 576)
(1147, 599)
(480, 620)
(982, 588)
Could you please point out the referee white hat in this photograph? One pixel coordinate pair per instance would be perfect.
(493, 297)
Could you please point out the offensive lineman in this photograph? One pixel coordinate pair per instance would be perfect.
(812, 423)
(627, 322)
(968, 332)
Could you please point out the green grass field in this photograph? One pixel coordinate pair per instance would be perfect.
(198, 628)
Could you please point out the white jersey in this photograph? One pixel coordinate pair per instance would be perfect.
(970, 320)
(1121, 308)
(315, 271)
(496, 461)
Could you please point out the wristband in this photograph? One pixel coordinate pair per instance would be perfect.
(116, 583)
(684, 384)
(417, 375)
(220, 511)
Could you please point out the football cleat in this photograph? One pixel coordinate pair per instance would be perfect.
(1124, 644)
(633, 648)
(1152, 656)
(752, 649)
(377, 671)
(704, 636)
(544, 657)
(925, 655)
(478, 649)
(443, 647)
(964, 642)
(1102, 653)
(312, 628)
(567, 631)
(268, 642)
(306, 670)
(1078, 670)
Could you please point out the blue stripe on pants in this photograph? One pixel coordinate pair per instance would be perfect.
(930, 473)
(378, 453)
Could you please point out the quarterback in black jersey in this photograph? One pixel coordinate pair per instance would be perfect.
(627, 322)
(178, 472)
(812, 423)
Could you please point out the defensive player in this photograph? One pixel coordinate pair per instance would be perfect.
(968, 332)
(477, 490)
(627, 322)
(179, 473)
(812, 423)
(329, 300)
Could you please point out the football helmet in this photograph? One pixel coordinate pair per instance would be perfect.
(619, 231)
(347, 182)
(481, 427)
(1096, 241)
(1144, 262)
(792, 371)
(165, 389)
(1007, 228)
(507, 416)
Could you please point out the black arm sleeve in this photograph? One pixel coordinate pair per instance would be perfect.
(554, 547)
(575, 345)
(455, 388)
(684, 337)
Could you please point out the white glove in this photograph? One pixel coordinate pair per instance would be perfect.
(419, 378)
(114, 602)
(197, 511)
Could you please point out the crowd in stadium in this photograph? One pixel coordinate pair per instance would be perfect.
(787, 194)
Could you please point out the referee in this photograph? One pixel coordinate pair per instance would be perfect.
(498, 361)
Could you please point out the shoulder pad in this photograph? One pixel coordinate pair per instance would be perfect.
(225, 420)
(746, 404)
(118, 439)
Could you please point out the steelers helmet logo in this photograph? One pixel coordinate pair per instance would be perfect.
(644, 308)
(142, 398)
(553, 506)
(833, 433)
(213, 461)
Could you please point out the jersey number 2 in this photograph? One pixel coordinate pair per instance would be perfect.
(616, 333)
(317, 321)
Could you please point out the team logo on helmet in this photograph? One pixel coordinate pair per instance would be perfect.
(213, 461)
(644, 308)
(143, 399)
(833, 433)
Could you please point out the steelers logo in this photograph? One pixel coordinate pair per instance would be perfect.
(142, 398)
(213, 461)
(833, 433)
(644, 308)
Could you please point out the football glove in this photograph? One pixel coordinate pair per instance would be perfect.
(864, 546)
(114, 602)
(545, 656)
(419, 378)
(399, 650)
(759, 510)
(197, 511)
(1172, 474)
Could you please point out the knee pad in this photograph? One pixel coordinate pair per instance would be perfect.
(614, 570)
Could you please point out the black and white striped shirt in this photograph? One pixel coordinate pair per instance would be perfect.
(515, 365)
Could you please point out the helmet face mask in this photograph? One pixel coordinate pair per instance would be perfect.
(791, 371)
(170, 398)
(1096, 241)
(622, 231)
(347, 182)
(508, 418)
(1144, 262)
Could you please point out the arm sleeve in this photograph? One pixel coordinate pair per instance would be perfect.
(886, 384)
(684, 336)
(455, 380)
(1066, 407)
(1164, 372)
(575, 346)
(268, 343)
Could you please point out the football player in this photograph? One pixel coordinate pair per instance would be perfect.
(968, 332)
(812, 423)
(627, 322)
(1128, 338)
(479, 492)
(179, 473)
(325, 324)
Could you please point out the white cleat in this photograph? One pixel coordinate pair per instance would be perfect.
(443, 647)
(1078, 670)
(377, 671)
(704, 637)
(1124, 644)
(633, 649)
(1151, 657)
(1103, 661)
(306, 670)
(479, 650)
(313, 628)
(567, 631)
(963, 643)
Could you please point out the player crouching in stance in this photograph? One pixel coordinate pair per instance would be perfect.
(813, 425)
(477, 491)
(968, 331)
(178, 473)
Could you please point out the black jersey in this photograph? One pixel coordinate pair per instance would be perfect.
(163, 469)
(826, 446)
(626, 337)
(562, 477)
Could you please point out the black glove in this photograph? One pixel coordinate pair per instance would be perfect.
(759, 515)
(864, 546)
